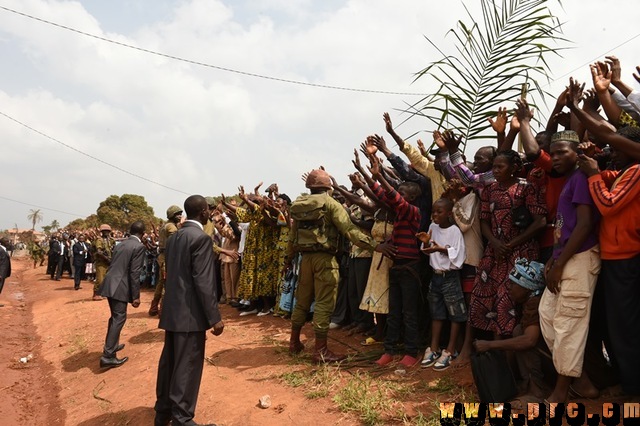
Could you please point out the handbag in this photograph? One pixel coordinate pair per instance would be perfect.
(493, 377)
(522, 217)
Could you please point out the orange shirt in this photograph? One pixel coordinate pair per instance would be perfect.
(619, 205)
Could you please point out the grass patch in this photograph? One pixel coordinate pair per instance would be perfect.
(372, 400)
(77, 344)
(318, 383)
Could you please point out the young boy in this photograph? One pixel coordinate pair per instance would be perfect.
(404, 275)
(446, 255)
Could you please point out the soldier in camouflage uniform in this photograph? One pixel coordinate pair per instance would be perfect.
(318, 221)
(102, 250)
(174, 217)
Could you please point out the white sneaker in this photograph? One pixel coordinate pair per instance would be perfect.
(334, 326)
(251, 312)
(430, 358)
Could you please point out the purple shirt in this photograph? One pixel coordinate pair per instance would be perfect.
(574, 192)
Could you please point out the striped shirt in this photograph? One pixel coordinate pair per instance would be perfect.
(406, 224)
(620, 210)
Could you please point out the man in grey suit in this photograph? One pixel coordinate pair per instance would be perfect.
(5, 262)
(121, 285)
(190, 309)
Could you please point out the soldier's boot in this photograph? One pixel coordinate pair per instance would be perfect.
(295, 345)
(153, 310)
(322, 354)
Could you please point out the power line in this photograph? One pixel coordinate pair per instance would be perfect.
(42, 207)
(230, 70)
(91, 156)
(594, 59)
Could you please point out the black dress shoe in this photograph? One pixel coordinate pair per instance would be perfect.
(120, 347)
(112, 362)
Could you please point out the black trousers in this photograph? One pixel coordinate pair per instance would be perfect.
(404, 305)
(621, 279)
(358, 276)
(179, 376)
(116, 322)
(78, 273)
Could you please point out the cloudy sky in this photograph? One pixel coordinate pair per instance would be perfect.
(187, 128)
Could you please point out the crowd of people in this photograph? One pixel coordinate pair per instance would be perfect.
(434, 257)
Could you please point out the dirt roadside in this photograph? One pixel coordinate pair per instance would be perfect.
(62, 383)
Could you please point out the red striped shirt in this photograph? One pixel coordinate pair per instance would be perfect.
(406, 224)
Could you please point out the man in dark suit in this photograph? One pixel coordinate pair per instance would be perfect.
(121, 285)
(5, 262)
(190, 309)
(54, 255)
(80, 252)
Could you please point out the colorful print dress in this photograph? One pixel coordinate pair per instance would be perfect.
(491, 306)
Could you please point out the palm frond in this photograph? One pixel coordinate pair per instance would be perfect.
(496, 55)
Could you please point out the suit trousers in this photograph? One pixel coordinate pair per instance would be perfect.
(179, 376)
(78, 273)
(116, 322)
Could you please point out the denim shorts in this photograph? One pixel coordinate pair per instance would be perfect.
(446, 300)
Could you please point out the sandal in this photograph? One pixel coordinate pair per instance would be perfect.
(370, 341)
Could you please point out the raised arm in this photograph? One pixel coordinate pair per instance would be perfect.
(392, 133)
(599, 129)
(499, 125)
(601, 76)
(525, 114)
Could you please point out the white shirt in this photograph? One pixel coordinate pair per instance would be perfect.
(452, 239)
(196, 222)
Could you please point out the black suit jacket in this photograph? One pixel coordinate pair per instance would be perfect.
(190, 300)
(79, 252)
(5, 266)
(122, 281)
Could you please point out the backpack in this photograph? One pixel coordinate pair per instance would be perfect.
(312, 231)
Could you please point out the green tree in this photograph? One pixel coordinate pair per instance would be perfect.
(47, 229)
(35, 216)
(120, 211)
(55, 225)
(498, 55)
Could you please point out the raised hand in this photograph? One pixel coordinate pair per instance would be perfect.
(305, 175)
(589, 166)
(438, 139)
(378, 142)
(587, 148)
(241, 193)
(499, 125)
(357, 180)
(370, 146)
(601, 76)
(387, 122)
(523, 112)
(591, 102)
(422, 148)
(616, 68)
(451, 141)
(574, 95)
(356, 162)
(374, 168)
(636, 74)
(257, 189)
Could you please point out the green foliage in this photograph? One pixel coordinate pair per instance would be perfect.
(497, 55)
(121, 211)
(34, 216)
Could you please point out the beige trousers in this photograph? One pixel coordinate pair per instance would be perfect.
(564, 317)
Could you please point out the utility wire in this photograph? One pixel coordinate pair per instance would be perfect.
(42, 207)
(593, 60)
(245, 73)
(91, 156)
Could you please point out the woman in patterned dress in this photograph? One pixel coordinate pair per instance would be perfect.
(491, 307)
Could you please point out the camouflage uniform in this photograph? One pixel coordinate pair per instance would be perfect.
(317, 240)
(167, 230)
(102, 247)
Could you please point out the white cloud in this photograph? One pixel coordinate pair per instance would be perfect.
(203, 130)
